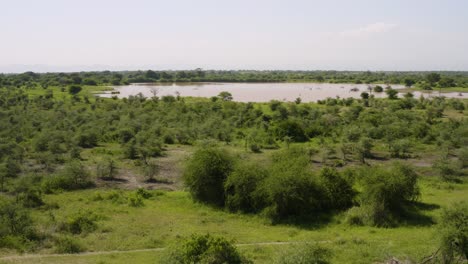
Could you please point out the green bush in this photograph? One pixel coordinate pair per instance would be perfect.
(68, 245)
(241, 188)
(453, 233)
(304, 254)
(16, 226)
(386, 193)
(81, 222)
(206, 172)
(291, 190)
(204, 249)
(339, 194)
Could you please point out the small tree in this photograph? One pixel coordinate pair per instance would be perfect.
(225, 96)
(392, 94)
(107, 169)
(151, 171)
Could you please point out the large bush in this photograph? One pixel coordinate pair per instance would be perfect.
(206, 173)
(339, 193)
(291, 190)
(241, 188)
(16, 226)
(386, 194)
(204, 249)
(453, 233)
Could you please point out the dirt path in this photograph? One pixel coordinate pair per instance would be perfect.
(94, 253)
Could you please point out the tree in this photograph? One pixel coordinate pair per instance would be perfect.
(206, 173)
(151, 170)
(225, 96)
(392, 94)
(378, 89)
(74, 89)
(365, 95)
(409, 82)
(432, 78)
(446, 82)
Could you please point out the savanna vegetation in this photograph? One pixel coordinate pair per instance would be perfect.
(210, 180)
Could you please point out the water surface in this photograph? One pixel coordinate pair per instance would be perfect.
(260, 92)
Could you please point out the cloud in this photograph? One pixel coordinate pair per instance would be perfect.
(367, 30)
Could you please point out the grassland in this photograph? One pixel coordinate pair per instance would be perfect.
(170, 215)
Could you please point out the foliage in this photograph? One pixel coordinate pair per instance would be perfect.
(205, 249)
(206, 173)
(68, 245)
(385, 194)
(304, 254)
(241, 188)
(453, 233)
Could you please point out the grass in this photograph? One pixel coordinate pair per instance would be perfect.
(169, 216)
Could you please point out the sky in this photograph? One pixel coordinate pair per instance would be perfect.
(81, 35)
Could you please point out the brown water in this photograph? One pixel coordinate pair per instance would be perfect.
(258, 92)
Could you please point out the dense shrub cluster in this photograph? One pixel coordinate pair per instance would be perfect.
(286, 189)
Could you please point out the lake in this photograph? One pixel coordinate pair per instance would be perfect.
(259, 92)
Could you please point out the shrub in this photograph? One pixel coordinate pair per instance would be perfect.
(206, 173)
(106, 169)
(241, 188)
(400, 148)
(68, 245)
(339, 193)
(292, 129)
(378, 89)
(16, 226)
(291, 191)
(135, 200)
(386, 192)
(453, 233)
(204, 249)
(255, 148)
(151, 170)
(87, 139)
(74, 89)
(447, 169)
(304, 254)
(463, 157)
(81, 222)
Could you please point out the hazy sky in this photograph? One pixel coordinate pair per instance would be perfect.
(59, 35)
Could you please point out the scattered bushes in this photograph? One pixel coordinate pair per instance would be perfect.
(204, 249)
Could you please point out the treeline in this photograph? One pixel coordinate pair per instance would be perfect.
(424, 80)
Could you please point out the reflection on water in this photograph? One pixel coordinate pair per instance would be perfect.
(261, 92)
